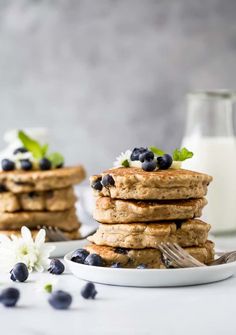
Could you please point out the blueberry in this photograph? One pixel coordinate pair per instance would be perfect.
(149, 165)
(2, 188)
(45, 164)
(88, 291)
(178, 224)
(8, 165)
(120, 250)
(136, 152)
(141, 266)
(56, 267)
(97, 185)
(93, 259)
(60, 300)
(108, 180)
(164, 162)
(115, 265)
(19, 272)
(79, 256)
(146, 156)
(9, 297)
(21, 150)
(26, 164)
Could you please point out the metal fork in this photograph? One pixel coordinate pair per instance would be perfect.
(176, 256)
(54, 234)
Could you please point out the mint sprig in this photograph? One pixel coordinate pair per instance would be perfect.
(40, 151)
(157, 151)
(181, 154)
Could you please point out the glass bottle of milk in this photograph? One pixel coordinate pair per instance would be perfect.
(209, 134)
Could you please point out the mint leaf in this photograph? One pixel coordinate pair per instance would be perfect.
(181, 154)
(31, 145)
(44, 149)
(157, 151)
(125, 163)
(56, 159)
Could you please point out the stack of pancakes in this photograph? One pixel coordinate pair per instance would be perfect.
(138, 210)
(39, 198)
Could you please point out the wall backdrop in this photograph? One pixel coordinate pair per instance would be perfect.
(111, 74)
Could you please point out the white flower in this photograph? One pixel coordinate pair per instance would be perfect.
(34, 253)
(123, 157)
(176, 165)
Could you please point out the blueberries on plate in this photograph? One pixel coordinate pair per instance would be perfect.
(164, 162)
(93, 259)
(9, 297)
(79, 255)
(115, 265)
(21, 150)
(149, 165)
(141, 266)
(97, 185)
(56, 267)
(136, 153)
(26, 164)
(120, 250)
(45, 164)
(88, 291)
(19, 272)
(108, 180)
(146, 156)
(60, 299)
(8, 165)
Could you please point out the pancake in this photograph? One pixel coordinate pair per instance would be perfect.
(151, 258)
(124, 211)
(142, 235)
(135, 183)
(53, 200)
(66, 220)
(73, 235)
(19, 181)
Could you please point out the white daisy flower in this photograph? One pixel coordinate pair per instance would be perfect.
(123, 160)
(176, 165)
(34, 253)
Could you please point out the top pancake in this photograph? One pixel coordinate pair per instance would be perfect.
(18, 181)
(135, 183)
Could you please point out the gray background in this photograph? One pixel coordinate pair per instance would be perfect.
(111, 74)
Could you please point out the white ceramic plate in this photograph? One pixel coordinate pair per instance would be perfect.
(151, 277)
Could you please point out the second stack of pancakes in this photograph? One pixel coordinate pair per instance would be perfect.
(138, 210)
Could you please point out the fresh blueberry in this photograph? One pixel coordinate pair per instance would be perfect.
(93, 259)
(9, 297)
(26, 164)
(120, 250)
(97, 185)
(164, 162)
(149, 165)
(56, 267)
(19, 272)
(115, 265)
(8, 165)
(2, 188)
(45, 164)
(88, 291)
(79, 256)
(178, 224)
(21, 150)
(108, 180)
(136, 153)
(141, 266)
(146, 156)
(60, 299)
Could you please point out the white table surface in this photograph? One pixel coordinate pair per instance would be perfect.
(204, 309)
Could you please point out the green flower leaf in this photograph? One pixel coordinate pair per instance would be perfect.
(125, 163)
(32, 145)
(181, 154)
(56, 159)
(156, 151)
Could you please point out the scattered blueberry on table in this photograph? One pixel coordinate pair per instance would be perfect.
(60, 299)
(79, 255)
(56, 267)
(19, 272)
(9, 297)
(89, 291)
